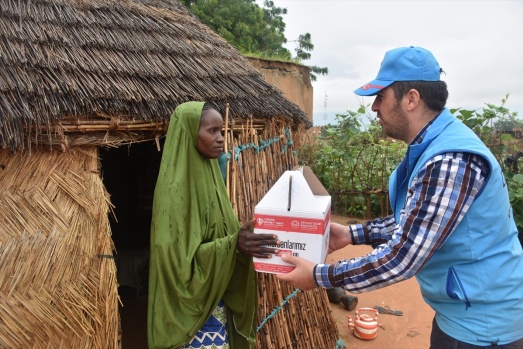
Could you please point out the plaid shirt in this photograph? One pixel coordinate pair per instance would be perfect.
(438, 198)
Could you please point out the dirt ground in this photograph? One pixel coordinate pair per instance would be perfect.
(410, 331)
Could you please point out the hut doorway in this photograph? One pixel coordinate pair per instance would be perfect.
(129, 174)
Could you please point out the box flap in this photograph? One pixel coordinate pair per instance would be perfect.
(292, 193)
(314, 183)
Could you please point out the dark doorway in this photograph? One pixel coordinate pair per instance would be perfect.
(129, 174)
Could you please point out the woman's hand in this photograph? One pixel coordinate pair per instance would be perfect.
(256, 245)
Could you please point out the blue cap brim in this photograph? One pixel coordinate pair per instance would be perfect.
(372, 88)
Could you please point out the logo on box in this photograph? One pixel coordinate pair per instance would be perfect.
(282, 252)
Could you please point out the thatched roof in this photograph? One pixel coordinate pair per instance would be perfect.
(62, 61)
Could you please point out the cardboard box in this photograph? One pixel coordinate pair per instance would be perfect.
(297, 208)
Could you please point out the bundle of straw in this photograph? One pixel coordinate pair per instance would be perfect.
(58, 282)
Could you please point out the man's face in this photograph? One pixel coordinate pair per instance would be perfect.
(391, 116)
(210, 139)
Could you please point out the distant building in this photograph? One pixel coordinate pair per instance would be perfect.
(293, 79)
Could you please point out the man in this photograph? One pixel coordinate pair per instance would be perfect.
(452, 225)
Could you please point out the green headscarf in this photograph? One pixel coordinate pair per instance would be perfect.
(194, 233)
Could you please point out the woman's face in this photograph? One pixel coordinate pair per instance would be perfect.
(210, 139)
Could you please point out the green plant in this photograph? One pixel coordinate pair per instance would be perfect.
(515, 189)
(353, 160)
(491, 124)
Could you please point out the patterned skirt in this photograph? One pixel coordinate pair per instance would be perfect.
(213, 334)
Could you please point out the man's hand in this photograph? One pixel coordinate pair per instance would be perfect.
(339, 237)
(301, 277)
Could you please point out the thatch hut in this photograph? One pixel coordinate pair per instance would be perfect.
(86, 91)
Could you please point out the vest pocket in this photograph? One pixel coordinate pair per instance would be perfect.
(455, 288)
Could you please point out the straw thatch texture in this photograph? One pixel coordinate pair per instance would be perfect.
(128, 60)
(57, 286)
(305, 321)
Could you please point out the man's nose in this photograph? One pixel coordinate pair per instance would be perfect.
(375, 105)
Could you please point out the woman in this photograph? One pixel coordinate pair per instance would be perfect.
(202, 285)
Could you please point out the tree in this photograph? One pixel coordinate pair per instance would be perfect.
(245, 25)
(303, 53)
(252, 29)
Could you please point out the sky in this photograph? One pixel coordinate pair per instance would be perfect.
(478, 43)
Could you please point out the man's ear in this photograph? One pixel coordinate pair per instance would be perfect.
(413, 99)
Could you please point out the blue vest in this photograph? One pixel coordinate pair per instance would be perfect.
(474, 282)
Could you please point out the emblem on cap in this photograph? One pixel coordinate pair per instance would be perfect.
(369, 86)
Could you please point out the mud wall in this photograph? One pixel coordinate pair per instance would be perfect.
(290, 78)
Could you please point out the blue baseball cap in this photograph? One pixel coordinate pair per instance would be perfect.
(403, 64)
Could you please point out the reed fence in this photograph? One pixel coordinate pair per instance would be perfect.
(258, 157)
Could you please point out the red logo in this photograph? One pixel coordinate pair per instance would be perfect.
(369, 86)
(282, 252)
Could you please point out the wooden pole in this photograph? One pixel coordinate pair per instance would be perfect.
(225, 146)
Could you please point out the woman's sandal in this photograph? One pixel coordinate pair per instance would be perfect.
(388, 310)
